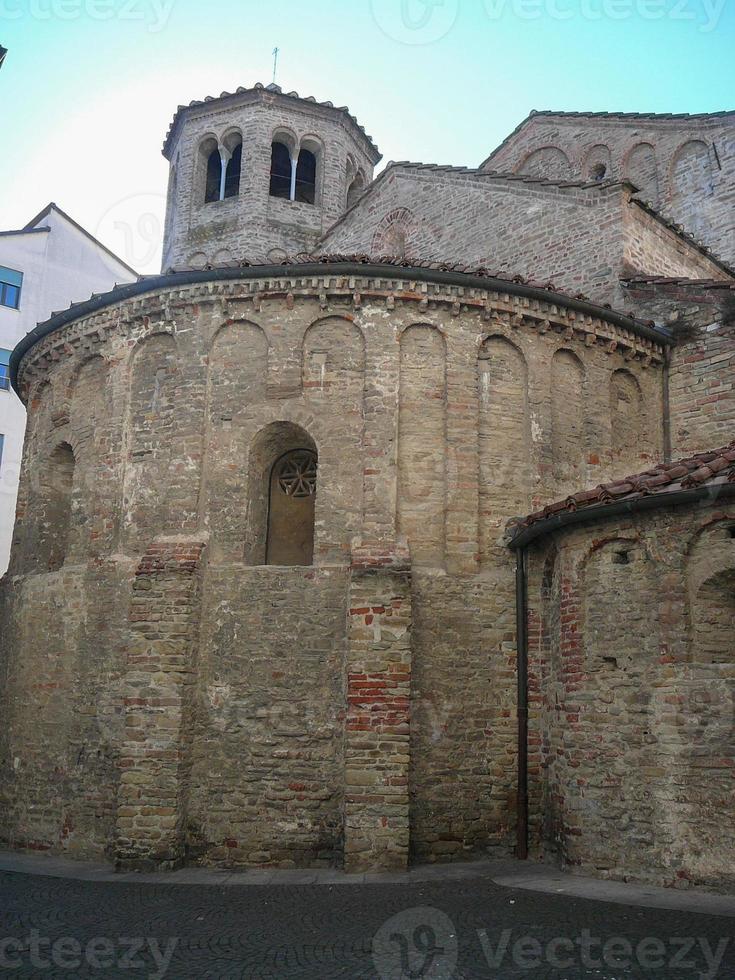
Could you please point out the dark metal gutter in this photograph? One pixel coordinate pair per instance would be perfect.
(711, 493)
(173, 280)
(666, 397)
(522, 704)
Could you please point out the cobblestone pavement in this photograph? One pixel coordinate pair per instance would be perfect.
(56, 927)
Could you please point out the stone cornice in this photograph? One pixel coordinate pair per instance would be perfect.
(519, 308)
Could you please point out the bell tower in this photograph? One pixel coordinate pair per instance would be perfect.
(259, 174)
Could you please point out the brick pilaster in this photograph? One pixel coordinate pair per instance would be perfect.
(377, 729)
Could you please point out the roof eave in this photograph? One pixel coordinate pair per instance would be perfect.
(256, 93)
(712, 493)
(315, 268)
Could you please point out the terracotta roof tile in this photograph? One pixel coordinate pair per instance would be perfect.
(716, 466)
(485, 175)
(302, 258)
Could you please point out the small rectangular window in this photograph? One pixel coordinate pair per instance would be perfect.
(10, 287)
(4, 370)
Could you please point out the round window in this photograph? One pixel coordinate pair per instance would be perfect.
(296, 473)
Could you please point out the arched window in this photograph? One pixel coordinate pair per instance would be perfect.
(356, 189)
(291, 509)
(224, 163)
(214, 176)
(280, 171)
(282, 483)
(232, 174)
(231, 153)
(306, 177)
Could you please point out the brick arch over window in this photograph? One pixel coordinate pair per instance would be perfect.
(282, 488)
(567, 419)
(548, 161)
(504, 436)
(393, 235)
(641, 169)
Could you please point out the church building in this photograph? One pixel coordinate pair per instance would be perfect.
(394, 521)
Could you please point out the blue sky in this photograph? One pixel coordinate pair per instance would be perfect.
(89, 86)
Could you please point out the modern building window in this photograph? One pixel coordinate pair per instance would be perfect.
(4, 370)
(10, 286)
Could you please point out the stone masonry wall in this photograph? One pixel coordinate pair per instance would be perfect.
(684, 166)
(582, 239)
(632, 696)
(246, 678)
(377, 726)
(158, 687)
(701, 393)
(267, 783)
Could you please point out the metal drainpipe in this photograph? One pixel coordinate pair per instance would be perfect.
(522, 705)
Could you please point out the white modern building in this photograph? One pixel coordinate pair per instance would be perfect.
(44, 267)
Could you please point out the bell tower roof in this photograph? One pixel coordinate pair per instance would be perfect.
(269, 94)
